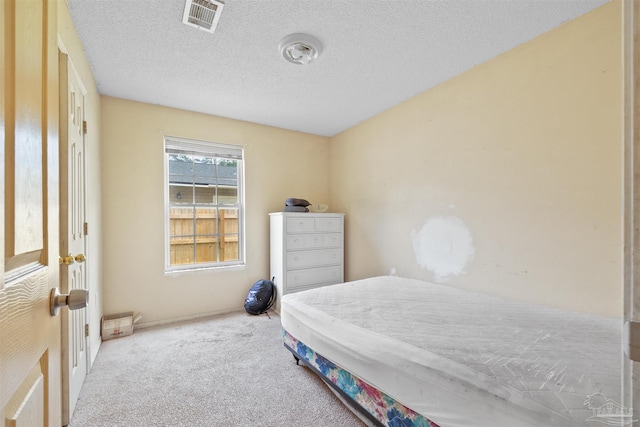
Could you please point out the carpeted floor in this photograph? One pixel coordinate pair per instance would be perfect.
(228, 370)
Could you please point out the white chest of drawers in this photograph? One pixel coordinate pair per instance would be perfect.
(307, 250)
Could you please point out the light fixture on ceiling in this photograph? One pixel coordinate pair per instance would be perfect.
(300, 48)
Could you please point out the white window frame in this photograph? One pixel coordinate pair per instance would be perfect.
(178, 145)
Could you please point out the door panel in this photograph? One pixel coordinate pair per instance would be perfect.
(23, 409)
(30, 336)
(72, 238)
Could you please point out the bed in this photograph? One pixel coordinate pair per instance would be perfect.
(408, 352)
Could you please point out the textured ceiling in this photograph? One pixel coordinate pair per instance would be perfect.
(377, 53)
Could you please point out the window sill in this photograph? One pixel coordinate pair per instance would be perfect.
(197, 270)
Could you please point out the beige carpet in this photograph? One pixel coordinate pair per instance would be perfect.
(228, 370)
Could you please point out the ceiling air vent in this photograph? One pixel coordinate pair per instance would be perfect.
(202, 14)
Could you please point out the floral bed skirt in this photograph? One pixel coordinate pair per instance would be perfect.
(381, 407)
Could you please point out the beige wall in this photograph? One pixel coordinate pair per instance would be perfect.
(70, 44)
(517, 162)
(278, 164)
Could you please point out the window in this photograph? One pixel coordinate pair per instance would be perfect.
(204, 204)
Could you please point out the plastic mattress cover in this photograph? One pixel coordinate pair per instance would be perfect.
(463, 358)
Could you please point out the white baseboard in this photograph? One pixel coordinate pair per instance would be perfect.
(142, 325)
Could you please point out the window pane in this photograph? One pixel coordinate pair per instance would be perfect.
(229, 248)
(206, 221)
(181, 222)
(229, 221)
(180, 179)
(227, 173)
(205, 180)
(180, 169)
(206, 250)
(228, 195)
(180, 194)
(205, 195)
(181, 251)
(206, 226)
(181, 236)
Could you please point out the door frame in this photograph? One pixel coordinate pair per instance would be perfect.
(631, 210)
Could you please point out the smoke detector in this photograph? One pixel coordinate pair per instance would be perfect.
(202, 14)
(299, 48)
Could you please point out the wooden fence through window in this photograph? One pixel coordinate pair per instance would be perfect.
(208, 242)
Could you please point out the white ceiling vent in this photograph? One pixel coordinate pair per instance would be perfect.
(202, 14)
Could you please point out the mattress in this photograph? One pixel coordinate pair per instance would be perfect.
(462, 358)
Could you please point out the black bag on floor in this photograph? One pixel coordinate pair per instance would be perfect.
(261, 297)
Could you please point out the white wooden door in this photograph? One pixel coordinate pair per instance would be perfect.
(29, 335)
(73, 272)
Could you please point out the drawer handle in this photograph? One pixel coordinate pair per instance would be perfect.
(296, 259)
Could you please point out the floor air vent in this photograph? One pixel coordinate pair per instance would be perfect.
(202, 14)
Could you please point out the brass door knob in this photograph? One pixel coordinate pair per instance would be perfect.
(69, 259)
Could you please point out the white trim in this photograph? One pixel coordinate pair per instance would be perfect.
(200, 316)
(174, 145)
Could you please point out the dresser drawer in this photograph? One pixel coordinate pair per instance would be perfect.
(301, 225)
(309, 241)
(313, 258)
(299, 279)
(329, 224)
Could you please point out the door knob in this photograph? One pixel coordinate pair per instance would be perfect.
(76, 299)
(70, 259)
(67, 260)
